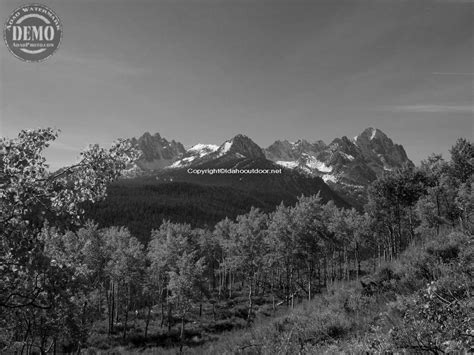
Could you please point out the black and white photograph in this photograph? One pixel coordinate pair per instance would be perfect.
(275, 177)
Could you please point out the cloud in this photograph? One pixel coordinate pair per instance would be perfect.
(453, 73)
(430, 108)
(456, 1)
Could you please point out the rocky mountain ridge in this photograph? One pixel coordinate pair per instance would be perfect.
(347, 165)
(157, 152)
(356, 161)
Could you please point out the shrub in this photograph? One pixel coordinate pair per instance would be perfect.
(438, 317)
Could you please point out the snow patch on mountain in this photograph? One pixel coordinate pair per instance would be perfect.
(316, 164)
(330, 177)
(182, 162)
(224, 148)
(288, 164)
(203, 149)
(347, 156)
(374, 132)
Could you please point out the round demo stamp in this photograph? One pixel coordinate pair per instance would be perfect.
(33, 33)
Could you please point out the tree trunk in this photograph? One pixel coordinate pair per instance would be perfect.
(117, 304)
(309, 289)
(127, 310)
(250, 301)
(340, 264)
(99, 305)
(213, 281)
(310, 274)
(125, 322)
(325, 270)
(346, 265)
(147, 322)
(356, 259)
(379, 254)
(83, 324)
(181, 337)
(162, 314)
(169, 317)
(438, 213)
(111, 309)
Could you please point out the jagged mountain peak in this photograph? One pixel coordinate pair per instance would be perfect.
(301, 142)
(281, 144)
(147, 136)
(371, 134)
(380, 150)
(354, 162)
(157, 152)
(343, 142)
(344, 148)
(284, 142)
(304, 145)
(241, 145)
(283, 150)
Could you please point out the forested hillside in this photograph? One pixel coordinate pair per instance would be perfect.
(308, 278)
(141, 204)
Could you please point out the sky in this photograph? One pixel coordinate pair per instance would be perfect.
(202, 71)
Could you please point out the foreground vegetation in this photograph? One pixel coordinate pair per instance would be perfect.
(70, 285)
(421, 303)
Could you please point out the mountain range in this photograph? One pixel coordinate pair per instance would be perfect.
(347, 165)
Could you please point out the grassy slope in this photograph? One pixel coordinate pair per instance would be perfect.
(421, 302)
